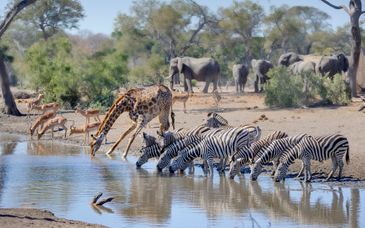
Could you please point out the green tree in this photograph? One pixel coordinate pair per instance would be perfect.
(52, 69)
(241, 23)
(52, 16)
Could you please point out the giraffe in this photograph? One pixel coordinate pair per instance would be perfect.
(143, 104)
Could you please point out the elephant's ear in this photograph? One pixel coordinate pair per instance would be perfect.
(180, 64)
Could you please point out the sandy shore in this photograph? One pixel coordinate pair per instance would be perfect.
(22, 217)
(247, 108)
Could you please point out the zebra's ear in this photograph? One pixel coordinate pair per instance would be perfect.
(159, 133)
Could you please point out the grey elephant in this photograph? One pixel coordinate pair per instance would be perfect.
(260, 69)
(200, 69)
(289, 58)
(240, 73)
(331, 65)
(302, 67)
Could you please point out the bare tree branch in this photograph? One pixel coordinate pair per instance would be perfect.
(12, 13)
(337, 7)
(196, 31)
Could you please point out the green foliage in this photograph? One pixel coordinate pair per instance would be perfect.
(52, 69)
(286, 90)
(283, 89)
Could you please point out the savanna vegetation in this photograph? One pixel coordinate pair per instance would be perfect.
(87, 68)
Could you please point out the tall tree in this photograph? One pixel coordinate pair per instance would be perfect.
(9, 103)
(51, 16)
(354, 10)
(242, 20)
(294, 28)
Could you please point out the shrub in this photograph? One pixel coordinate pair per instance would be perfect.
(283, 89)
(286, 90)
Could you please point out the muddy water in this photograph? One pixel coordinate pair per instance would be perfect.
(64, 179)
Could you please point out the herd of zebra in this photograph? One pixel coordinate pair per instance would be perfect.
(239, 146)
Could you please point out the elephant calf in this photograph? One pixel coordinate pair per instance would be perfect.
(240, 73)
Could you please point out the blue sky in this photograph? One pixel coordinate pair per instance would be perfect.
(100, 14)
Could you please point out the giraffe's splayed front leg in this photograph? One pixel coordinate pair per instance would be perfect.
(95, 145)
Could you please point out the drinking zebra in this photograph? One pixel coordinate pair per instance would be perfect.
(151, 149)
(221, 145)
(171, 151)
(273, 153)
(320, 149)
(245, 155)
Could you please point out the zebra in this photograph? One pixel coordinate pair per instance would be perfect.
(320, 149)
(148, 152)
(186, 157)
(215, 120)
(223, 144)
(150, 149)
(245, 155)
(171, 151)
(273, 152)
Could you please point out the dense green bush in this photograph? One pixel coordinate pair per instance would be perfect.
(283, 89)
(287, 90)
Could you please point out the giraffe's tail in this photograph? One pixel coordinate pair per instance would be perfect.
(172, 119)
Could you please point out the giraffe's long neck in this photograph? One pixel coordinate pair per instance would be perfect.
(121, 105)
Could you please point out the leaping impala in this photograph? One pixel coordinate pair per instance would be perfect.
(89, 113)
(84, 129)
(47, 107)
(40, 121)
(58, 121)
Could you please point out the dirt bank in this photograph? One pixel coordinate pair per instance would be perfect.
(23, 217)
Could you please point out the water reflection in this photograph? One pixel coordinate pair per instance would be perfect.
(66, 182)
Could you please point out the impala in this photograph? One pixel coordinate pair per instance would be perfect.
(58, 121)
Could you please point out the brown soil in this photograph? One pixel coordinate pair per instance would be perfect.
(22, 217)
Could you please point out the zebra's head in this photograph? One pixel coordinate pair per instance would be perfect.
(176, 164)
(281, 172)
(233, 169)
(256, 170)
(142, 159)
(163, 162)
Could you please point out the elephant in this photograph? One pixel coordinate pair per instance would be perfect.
(260, 69)
(240, 73)
(331, 65)
(200, 69)
(302, 67)
(289, 58)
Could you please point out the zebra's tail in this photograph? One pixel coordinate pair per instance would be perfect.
(347, 155)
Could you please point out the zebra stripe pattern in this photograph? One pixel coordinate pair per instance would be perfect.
(186, 157)
(273, 152)
(226, 143)
(244, 154)
(215, 121)
(151, 151)
(172, 150)
(322, 148)
(170, 137)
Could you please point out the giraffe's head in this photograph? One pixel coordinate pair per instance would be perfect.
(96, 143)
